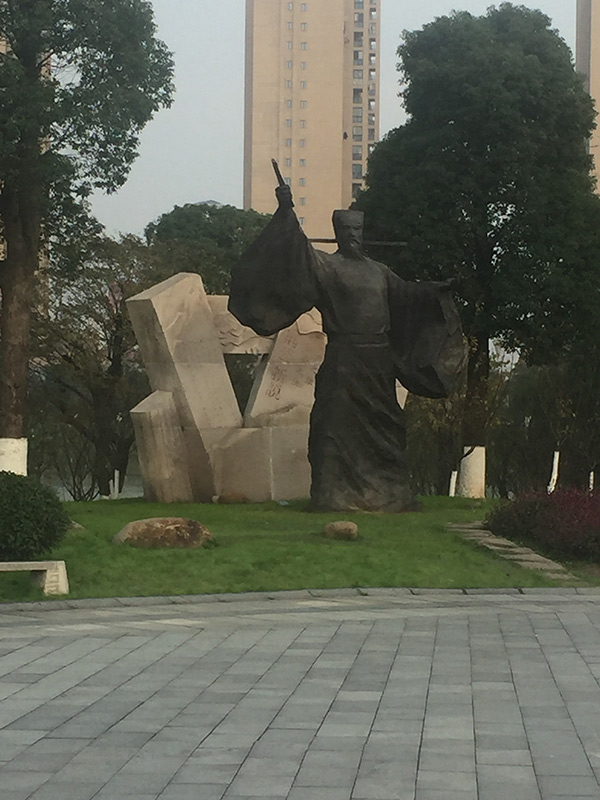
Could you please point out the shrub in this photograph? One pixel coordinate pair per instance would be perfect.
(567, 522)
(32, 520)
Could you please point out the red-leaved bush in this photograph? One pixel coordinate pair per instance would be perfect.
(566, 522)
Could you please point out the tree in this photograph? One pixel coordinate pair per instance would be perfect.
(79, 80)
(207, 238)
(489, 181)
(87, 372)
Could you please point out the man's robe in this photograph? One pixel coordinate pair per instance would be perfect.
(379, 328)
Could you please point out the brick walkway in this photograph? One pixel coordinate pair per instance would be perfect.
(390, 695)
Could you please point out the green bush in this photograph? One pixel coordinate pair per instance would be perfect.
(32, 520)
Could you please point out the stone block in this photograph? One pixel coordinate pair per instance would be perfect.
(289, 463)
(283, 391)
(234, 337)
(161, 449)
(242, 463)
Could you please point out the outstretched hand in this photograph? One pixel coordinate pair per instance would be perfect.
(284, 196)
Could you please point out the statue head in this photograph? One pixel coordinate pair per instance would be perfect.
(348, 227)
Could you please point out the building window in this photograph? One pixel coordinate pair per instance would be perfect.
(372, 90)
(357, 96)
(288, 142)
(289, 45)
(357, 74)
(288, 181)
(358, 57)
(303, 84)
(357, 133)
(357, 152)
(371, 134)
(371, 105)
(304, 7)
(288, 123)
(303, 103)
(303, 123)
(302, 182)
(372, 74)
(357, 170)
(372, 58)
(303, 65)
(373, 13)
(290, 25)
(289, 64)
(372, 30)
(302, 143)
(356, 187)
(357, 114)
(371, 148)
(303, 46)
(371, 119)
(303, 201)
(359, 19)
(290, 6)
(301, 220)
(304, 26)
(302, 162)
(372, 44)
(358, 39)
(288, 84)
(288, 162)
(288, 103)
(359, 4)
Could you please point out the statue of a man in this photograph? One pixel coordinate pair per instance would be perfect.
(378, 328)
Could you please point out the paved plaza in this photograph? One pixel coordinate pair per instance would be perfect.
(385, 695)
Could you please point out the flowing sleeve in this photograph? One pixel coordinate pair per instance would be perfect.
(426, 337)
(274, 281)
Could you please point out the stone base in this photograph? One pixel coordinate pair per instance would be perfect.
(50, 576)
(471, 477)
(13, 456)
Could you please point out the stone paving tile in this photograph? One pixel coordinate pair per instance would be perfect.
(354, 696)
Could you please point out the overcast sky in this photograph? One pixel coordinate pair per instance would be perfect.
(194, 150)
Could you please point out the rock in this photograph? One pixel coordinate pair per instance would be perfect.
(174, 532)
(341, 530)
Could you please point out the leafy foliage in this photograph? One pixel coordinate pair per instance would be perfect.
(566, 522)
(32, 520)
(87, 373)
(206, 238)
(79, 79)
(489, 181)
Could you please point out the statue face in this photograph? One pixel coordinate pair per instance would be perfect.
(349, 233)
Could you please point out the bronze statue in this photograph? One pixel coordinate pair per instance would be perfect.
(378, 328)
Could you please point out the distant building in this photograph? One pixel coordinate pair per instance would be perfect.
(588, 62)
(312, 102)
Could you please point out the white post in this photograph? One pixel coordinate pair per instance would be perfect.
(453, 479)
(591, 482)
(471, 476)
(114, 486)
(554, 476)
(13, 456)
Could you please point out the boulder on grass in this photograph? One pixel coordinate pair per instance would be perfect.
(347, 531)
(174, 532)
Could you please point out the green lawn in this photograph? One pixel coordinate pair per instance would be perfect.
(268, 547)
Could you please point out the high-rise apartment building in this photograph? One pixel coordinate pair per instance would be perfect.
(312, 102)
(588, 62)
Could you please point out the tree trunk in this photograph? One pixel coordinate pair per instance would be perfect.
(476, 418)
(17, 289)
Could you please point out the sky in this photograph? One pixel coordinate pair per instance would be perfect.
(193, 151)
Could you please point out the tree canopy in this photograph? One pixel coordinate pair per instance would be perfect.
(489, 182)
(206, 238)
(79, 79)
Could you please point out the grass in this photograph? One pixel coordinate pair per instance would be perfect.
(269, 547)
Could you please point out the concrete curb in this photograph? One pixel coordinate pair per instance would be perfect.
(301, 594)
